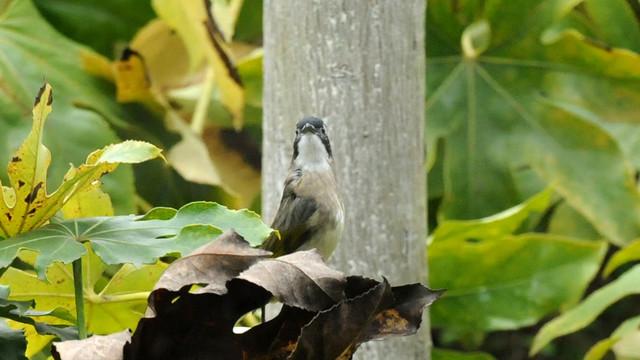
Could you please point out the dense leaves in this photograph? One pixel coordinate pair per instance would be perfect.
(518, 101)
(583, 314)
(325, 315)
(33, 51)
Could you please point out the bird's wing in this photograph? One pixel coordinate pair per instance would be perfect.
(290, 221)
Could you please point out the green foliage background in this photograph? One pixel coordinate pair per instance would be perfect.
(533, 150)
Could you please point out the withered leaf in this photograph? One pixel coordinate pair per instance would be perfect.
(108, 347)
(213, 264)
(300, 279)
(325, 315)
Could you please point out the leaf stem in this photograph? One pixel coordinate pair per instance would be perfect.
(200, 113)
(104, 299)
(79, 292)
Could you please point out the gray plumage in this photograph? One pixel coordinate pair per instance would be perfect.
(311, 214)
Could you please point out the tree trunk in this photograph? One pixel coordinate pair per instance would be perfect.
(360, 66)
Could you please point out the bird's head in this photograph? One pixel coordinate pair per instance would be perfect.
(311, 147)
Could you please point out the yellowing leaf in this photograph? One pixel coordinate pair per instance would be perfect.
(26, 205)
(88, 203)
(196, 25)
(132, 81)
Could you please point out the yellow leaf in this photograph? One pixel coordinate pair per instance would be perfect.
(26, 205)
(195, 24)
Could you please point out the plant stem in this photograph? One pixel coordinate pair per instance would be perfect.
(79, 292)
(200, 113)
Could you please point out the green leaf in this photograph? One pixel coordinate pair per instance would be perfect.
(616, 22)
(505, 222)
(567, 221)
(444, 354)
(600, 349)
(118, 305)
(498, 114)
(13, 344)
(29, 206)
(134, 239)
(629, 253)
(508, 282)
(498, 281)
(85, 106)
(20, 313)
(101, 25)
(587, 311)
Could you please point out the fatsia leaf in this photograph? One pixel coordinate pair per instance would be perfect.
(22, 312)
(30, 206)
(585, 312)
(213, 264)
(379, 312)
(503, 271)
(600, 349)
(195, 23)
(110, 307)
(134, 239)
(493, 128)
(300, 279)
(84, 105)
(105, 347)
(444, 354)
(12, 343)
(193, 325)
(629, 253)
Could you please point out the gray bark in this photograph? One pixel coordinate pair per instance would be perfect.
(360, 66)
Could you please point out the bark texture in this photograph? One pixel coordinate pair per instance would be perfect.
(358, 64)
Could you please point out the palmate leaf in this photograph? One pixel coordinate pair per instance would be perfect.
(584, 313)
(32, 50)
(524, 104)
(26, 205)
(508, 281)
(115, 306)
(134, 239)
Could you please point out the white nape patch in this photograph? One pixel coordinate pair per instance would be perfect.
(312, 154)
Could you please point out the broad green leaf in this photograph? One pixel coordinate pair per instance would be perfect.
(31, 206)
(12, 342)
(119, 305)
(505, 222)
(587, 311)
(497, 114)
(444, 354)
(133, 239)
(20, 316)
(101, 25)
(508, 282)
(600, 349)
(31, 51)
(496, 280)
(616, 22)
(567, 221)
(629, 253)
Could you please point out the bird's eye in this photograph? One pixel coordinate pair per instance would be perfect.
(297, 131)
(324, 131)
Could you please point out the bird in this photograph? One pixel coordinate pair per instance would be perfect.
(311, 211)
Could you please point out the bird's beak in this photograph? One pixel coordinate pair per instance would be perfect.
(308, 128)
